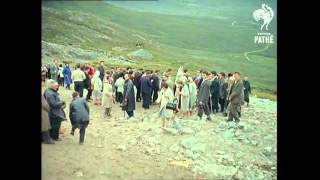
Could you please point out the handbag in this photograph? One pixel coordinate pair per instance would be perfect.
(172, 106)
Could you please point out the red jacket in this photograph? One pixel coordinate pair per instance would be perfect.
(91, 72)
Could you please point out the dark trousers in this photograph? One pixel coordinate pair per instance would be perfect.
(203, 108)
(222, 102)
(119, 97)
(107, 112)
(82, 129)
(235, 110)
(146, 100)
(89, 94)
(155, 95)
(130, 113)
(78, 86)
(215, 103)
(138, 93)
(61, 81)
(55, 128)
(246, 96)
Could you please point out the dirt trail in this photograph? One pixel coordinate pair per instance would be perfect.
(118, 149)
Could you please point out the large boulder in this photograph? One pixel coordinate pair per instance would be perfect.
(141, 54)
(188, 142)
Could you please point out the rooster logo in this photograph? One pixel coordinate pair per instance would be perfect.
(265, 13)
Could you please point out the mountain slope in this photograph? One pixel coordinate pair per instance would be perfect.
(195, 42)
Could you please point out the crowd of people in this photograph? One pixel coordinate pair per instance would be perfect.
(179, 94)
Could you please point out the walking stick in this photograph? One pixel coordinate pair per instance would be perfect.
(210, 101)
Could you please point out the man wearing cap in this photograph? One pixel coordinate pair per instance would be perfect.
(56, 112)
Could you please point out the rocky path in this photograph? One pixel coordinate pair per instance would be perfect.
(188, 149)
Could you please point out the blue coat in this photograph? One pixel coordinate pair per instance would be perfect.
(53, 99)
(79, 110)
(67, 76)
(146, 85)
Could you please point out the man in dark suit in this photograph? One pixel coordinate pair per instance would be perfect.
(235, 98)
(204, 94)
(222, 91)
(155, 85)
(214, 88)
(146, 90)
(137, 83)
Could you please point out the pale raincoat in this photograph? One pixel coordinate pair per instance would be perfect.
(120, 85)
(193, 94)
(107, 98)
(165, 97)
(97, 85)
(185, 97)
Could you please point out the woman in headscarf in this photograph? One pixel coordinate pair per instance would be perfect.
(97, 87)
(67, 76)
(185, 97)
(165, 96)
(107, 96)
(193, 94)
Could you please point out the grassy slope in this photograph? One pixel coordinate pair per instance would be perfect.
(193, 42)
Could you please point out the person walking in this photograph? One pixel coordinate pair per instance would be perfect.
(235, 98)
(79, 115)
(204, 95)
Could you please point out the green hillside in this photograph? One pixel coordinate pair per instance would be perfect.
(211, 43)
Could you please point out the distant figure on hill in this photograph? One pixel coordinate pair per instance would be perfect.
(139, 45)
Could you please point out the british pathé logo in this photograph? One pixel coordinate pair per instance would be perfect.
(265, 16)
